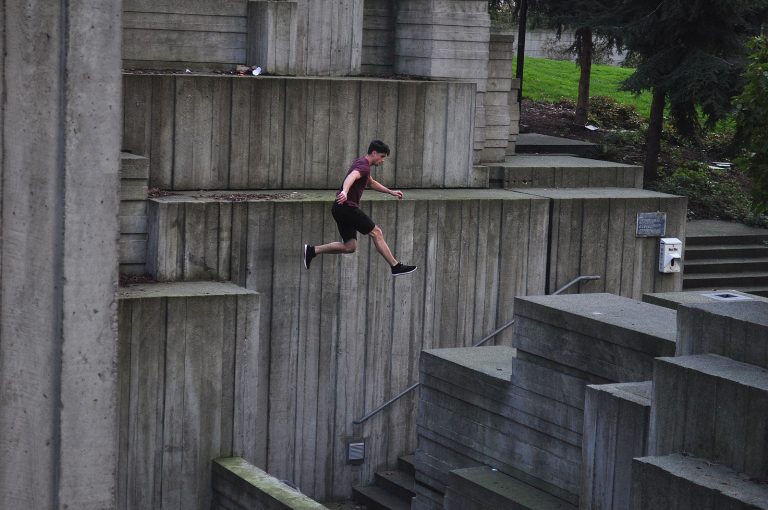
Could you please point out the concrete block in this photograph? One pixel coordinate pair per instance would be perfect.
(616, 422)
(483, 488)
(272, 36)
(602, 334)
(694, 297)
(712, 407)
(679, 481)
(738, 330)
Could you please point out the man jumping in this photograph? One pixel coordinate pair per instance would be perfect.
(350, 219)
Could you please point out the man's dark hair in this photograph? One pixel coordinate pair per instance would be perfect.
(378, 146)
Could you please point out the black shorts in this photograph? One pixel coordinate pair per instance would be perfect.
(351, 220)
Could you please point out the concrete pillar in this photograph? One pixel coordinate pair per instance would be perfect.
(60, 135)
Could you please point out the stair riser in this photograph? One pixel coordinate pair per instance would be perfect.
(726, 267)
(726, 253)
(728, 282)
(372, 504)
(394, 488)
(719, 240)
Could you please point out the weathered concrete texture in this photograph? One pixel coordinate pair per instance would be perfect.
(592, 232)
(738, 330)
(174, 34)
(562, 171)
(604, 335)
(191, 390)
(134, 176)
(498, 97)
(229, 132)
(60, 138)
(616, 421)
(378, 56)
(712, 407)
(680, 481)
(239, 485)
(471, 415)
(306, 37)
(475, 250)
(485, 488)
(696, 297)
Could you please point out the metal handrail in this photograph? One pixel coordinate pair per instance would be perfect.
(478, 344)
(574, 282)
(416, 384)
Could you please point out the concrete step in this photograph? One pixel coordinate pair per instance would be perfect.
(724, 251)
(714, 232)
(712, 407)
(730, 265)
(725, 280)
(679, 481)
(534, 143)
(376, 498)
(406, 464)
(396, 482)
(483, 488)
(562, 171)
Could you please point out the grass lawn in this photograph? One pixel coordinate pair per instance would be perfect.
(553, 80)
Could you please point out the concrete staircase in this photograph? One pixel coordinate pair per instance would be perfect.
(391, 490)
(534, 143)
(723, 255)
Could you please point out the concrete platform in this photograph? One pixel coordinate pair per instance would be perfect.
(695, 297)
(704, 229)
(535, 143)
(679, 481)
(562, 171)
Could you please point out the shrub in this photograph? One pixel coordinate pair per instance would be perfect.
(752, 122)
(608, 113)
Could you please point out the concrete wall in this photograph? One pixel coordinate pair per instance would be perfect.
(379, 37)
(187, 354)
(592, 232)
(59, 130)
(345, 337)
(134, 176)
(173, 34)
(223, 132)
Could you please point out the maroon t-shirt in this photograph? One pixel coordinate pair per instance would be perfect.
(356, 191)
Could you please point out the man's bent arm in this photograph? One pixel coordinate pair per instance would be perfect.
(348, 182)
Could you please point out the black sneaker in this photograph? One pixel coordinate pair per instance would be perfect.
(309, 254)
(399, 269)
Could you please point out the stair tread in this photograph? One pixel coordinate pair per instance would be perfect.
(728, 260)
(399, 478)
(382, 497)
(707, 247)
(730, 274)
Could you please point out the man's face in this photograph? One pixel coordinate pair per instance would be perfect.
(377, 159)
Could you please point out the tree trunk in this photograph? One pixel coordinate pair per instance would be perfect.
(584, 36)
(653, 141)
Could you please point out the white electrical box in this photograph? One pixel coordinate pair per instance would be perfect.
(670, 255)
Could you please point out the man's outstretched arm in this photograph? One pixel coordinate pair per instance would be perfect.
(377, 186)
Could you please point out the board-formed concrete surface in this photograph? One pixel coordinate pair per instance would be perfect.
(711, 407)
(190, 389)
(230, 132)
(681, 481)
(134, 176)
(60, 138)
(563, 171)
(593, 232)
(738, 330)
(616, 422)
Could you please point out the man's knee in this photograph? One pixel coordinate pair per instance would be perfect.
(376, 233)
(350, 246)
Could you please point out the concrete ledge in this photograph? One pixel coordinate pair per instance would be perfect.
(738, 330)
(616, 421)
(712, 407)
(239, 485)
(483, 488)
(601, 334)
(695, 297)
(563, 171)
(678, 481)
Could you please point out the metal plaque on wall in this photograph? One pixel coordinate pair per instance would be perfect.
(651, 224)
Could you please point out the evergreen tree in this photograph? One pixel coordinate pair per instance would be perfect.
(692, 54)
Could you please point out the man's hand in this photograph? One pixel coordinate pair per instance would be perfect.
(341, 197)
(397, 193)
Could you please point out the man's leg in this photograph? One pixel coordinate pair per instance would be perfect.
(310, 252)
(381, 245)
